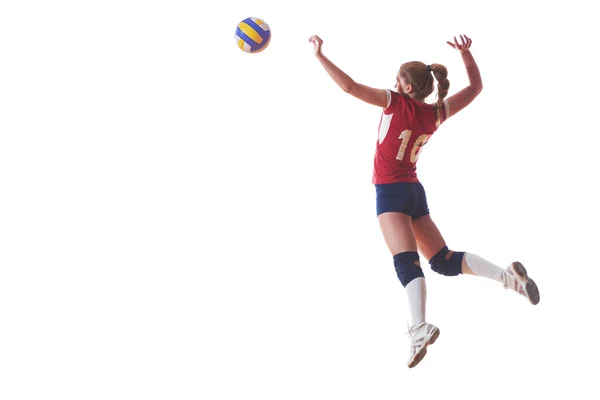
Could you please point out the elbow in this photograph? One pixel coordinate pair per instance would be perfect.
(348, 87)
(474, 90)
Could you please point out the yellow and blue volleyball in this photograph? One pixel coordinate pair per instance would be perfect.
(253, 35)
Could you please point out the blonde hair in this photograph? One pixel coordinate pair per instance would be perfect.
(419, 75)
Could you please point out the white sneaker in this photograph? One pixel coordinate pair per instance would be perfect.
(515, 278)
(422, 335)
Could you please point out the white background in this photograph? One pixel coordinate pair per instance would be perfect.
(182, 220)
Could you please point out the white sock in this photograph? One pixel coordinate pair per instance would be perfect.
(481, 267)
(416, 290)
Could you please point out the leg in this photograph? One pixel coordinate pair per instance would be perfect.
(428, 236)
(431, 243)
(395, 205)
(400, 238)
(433, 246)
(398, 232)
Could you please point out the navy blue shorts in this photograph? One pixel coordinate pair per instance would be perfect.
(404, 197)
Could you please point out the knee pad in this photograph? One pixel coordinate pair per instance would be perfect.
(408, 267)
(447, 262)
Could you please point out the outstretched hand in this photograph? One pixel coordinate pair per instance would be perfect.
(317, 43)
(464, 45)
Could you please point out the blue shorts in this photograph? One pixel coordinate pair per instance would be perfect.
(404, 197)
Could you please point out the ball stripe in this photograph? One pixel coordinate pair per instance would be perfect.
(249, 42)
(262, 27)
(250, 32)
(261, 23)
(264, 46)
(242, 45)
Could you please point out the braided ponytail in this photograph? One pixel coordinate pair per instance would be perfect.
(441, 75)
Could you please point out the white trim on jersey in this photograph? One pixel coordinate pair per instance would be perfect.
(384, 127)
(446, 113)
(386, 119)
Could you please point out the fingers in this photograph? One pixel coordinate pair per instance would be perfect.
(465, 42)
(315, 39)
(454, 45)
(317, 43)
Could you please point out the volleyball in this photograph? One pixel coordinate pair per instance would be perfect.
(253, 35)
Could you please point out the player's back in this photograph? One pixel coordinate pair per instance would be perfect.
(405, 127)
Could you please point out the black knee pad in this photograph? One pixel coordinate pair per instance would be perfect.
(447, 262)
(408, 266)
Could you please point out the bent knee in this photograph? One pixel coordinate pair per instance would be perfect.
(447, 262)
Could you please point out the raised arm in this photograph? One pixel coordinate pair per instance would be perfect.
(463, 98)
(377, 97)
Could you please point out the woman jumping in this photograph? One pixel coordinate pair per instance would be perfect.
(406, 124)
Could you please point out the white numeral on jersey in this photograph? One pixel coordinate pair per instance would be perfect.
(405, 136)
(417, 147)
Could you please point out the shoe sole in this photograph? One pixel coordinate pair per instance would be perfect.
(421, 354)
(533, 293)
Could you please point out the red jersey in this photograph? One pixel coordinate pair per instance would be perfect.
(405, 126)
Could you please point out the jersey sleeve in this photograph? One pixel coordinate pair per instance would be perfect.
(394, 101)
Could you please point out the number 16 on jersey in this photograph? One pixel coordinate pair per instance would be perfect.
(416, 148)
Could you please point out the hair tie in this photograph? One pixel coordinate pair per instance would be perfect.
(429, 68)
